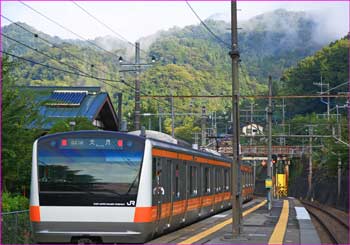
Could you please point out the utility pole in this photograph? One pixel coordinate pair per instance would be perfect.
(321, 84)
(283, 139)
(251, 121)
(160, 119)
(235, 169)
(172, 117)
(339, 177)
(119, 97)
(204, 122)
(137, 69)
(269, 150)
(251, 140)
(310, 160)
(137, 86)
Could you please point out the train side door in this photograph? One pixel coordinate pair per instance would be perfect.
(165, 198)
(173, 188)
(186, 187)
(158, 190)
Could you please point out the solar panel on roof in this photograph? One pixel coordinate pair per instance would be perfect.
(66, 98)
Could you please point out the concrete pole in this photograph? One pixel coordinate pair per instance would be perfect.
(160, 119)
(254, 173)
(172, 117)
(283, 121)
(204, 122)
(251, 121)
(137, 87)
(339, 123)
(236, 183)
(119, 97)
(310, 161)
(339, 176)
(269, 149)
(328, 102)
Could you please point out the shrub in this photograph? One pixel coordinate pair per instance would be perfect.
(12, 202)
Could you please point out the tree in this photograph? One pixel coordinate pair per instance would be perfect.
(81, 123)
(19, 110)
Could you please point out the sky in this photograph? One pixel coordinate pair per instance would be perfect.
(138, 19)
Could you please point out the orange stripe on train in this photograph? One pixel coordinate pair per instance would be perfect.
(34, 213)
(143, 214)
(149, 214)
(174, 155)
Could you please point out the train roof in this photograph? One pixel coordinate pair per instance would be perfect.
(166, 141)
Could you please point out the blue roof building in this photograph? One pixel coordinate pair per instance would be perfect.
(71, 102)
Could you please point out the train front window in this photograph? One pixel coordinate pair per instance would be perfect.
(99, 170)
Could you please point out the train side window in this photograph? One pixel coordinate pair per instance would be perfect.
(226, 179)
(167, 179)
(214, 180)
(195, 176)
(193, 180)
(221, 179)
(177, 181)
(190, 177)
(154, 169)
(206, 180)
(251, 179)
(243, 183)
(218, 184)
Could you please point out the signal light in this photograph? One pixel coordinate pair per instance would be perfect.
(64, 142)
(274, 159)
(120, 143)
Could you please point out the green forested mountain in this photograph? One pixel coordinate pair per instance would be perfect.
(190, 61)
(268, 43)
(274, 41)
(330, 65)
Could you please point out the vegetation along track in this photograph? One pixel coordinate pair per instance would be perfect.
(336, 226)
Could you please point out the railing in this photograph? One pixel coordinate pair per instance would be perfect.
(16, 228)
(262, 150)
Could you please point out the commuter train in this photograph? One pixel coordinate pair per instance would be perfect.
(113, 187)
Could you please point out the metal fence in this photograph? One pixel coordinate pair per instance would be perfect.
(16, 228)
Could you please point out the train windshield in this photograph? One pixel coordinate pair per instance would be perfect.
(89, 170)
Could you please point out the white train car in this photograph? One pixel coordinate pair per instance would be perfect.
(112, 187)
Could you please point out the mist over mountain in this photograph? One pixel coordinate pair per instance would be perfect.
(327, 26)
(268, 43)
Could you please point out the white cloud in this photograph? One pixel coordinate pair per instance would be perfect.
(136, 19)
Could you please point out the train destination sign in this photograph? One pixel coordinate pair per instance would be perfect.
(91, 143)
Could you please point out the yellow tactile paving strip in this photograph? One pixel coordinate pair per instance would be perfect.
(219, 226)
(280, 228)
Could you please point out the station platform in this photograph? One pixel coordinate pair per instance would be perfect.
(288, 222)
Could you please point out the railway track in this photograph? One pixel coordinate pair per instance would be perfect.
(337, 227)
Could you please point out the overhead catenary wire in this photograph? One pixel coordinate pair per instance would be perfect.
(103, 80)
(62, 70)
(249, 96)
(55, 45)
(106, 26)
(44, 54)
(78, 73)
(207, 27)
(67, 29)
